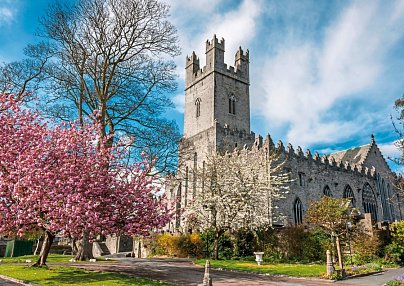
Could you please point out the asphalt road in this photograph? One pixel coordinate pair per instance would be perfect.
(184, 272)
(377, 279)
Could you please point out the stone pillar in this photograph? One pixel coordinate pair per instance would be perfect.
(330, 266)
(207, 281)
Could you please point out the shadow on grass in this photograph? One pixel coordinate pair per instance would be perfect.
(72, 276)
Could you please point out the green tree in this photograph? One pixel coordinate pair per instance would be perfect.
(395, 250)
(333, 216)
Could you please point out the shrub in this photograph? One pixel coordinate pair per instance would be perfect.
(366, 248)
(244, 243)
(165, 244)
(267, 240)
(373, 266)
(225, 247)
(298, 244)
(394, 283)
(188, 245)
(394, 252)
(398, 281)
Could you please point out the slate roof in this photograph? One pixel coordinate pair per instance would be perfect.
(355, 156)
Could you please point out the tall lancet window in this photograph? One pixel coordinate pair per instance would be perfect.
(198, 107)
(232, 104)
(369, 201)
(348, 194)
(298, 211)
(327, 191)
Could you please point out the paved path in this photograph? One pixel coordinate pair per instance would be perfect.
(6, 282)
(377, 279)
(184, 272)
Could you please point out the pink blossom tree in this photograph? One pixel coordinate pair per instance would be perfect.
(63, 180)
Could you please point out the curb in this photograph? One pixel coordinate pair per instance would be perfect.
(21, 282)
(308, 278)
(361, 275)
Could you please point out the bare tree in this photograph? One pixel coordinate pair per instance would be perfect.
(398, 180)
(109, 56)
(21, 77)
(239, 191)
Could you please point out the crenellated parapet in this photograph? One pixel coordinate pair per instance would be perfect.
(215, 63)
(215, 44)
(324, 161)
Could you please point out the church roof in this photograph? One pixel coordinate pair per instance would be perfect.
(355, 156)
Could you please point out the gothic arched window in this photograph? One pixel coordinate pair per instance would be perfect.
(327, 191)
(198, 107)
(393, 217)
(186, 186)
(369, 201)
(232, 104)
(298, 211)
(384, 198)
(348, 194)
(194, 175)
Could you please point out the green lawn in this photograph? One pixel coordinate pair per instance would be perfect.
(70, 276)
(297, 270)
(33, 258)
(52, 258)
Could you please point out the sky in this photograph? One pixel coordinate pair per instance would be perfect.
(324, 74)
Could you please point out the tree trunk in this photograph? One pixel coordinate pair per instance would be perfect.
(38, 245)
(216, 247)
(46, 245)
(73, 246)
(84, 249)
(218, 234)
(341, 266)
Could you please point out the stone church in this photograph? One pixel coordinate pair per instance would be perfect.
(217, 118)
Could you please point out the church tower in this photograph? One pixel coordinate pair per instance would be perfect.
(216, 116)
(217, 101)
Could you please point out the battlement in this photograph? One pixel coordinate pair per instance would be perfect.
(240, 55)
(214, 43)
(230, 135)
(215, 63)
(192, 60)
(324, 161)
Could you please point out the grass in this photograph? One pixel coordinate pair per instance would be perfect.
(296, 270)
(71, 276)
(52, 258)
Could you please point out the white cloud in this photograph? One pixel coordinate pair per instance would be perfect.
(237, 26)
(179, 102)
(390, 150)
(6, 16)
(8, 12)
(193, 6)
(304, 78)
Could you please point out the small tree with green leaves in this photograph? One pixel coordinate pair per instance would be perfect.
(333, 216)
(395, 250)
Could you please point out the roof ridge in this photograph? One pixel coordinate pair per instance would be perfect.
(350, 149)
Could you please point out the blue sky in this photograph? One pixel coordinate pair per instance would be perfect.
(324, 74)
